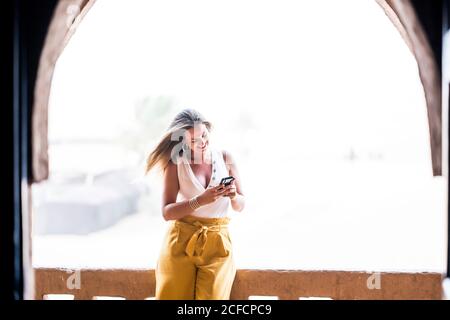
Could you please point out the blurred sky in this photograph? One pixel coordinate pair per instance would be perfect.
(336, 72)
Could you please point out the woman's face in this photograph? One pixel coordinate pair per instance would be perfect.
(198, 138)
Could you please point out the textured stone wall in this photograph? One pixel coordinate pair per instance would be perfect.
(285, 284)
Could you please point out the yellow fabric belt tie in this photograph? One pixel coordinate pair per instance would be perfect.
(197, 242)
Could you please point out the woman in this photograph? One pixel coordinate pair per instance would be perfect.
(196, 258)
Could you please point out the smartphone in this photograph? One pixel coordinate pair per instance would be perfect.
(226, 181)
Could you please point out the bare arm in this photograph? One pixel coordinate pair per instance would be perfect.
(171, 209)
(238, 202)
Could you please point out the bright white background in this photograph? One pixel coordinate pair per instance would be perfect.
(319, 101)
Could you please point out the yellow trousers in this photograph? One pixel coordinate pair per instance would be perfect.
(196, 260)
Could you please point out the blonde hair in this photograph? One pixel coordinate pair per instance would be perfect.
(162, 153)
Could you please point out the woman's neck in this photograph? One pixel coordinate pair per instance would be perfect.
(202, 157)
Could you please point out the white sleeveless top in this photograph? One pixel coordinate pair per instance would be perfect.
(190, 186)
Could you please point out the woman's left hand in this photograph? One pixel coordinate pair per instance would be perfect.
(231, 191)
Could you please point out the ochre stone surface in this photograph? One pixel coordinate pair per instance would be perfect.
(286, 284)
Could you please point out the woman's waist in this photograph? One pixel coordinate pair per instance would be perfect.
(196, 221)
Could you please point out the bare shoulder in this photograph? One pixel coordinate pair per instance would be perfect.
(171, 185)
(171, 173)
(172, 166)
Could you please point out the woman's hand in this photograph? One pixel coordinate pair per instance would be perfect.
(230, 191)
(212, 194)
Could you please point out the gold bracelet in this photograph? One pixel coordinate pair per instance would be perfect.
(193, 203)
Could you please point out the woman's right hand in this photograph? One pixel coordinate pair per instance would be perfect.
(212, 194)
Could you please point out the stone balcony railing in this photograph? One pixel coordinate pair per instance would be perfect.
(249, 284)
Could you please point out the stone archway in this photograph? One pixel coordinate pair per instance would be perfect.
(69, 14)
(403, 16)
(66, 18)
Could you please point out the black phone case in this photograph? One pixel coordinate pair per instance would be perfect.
(230, 178)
